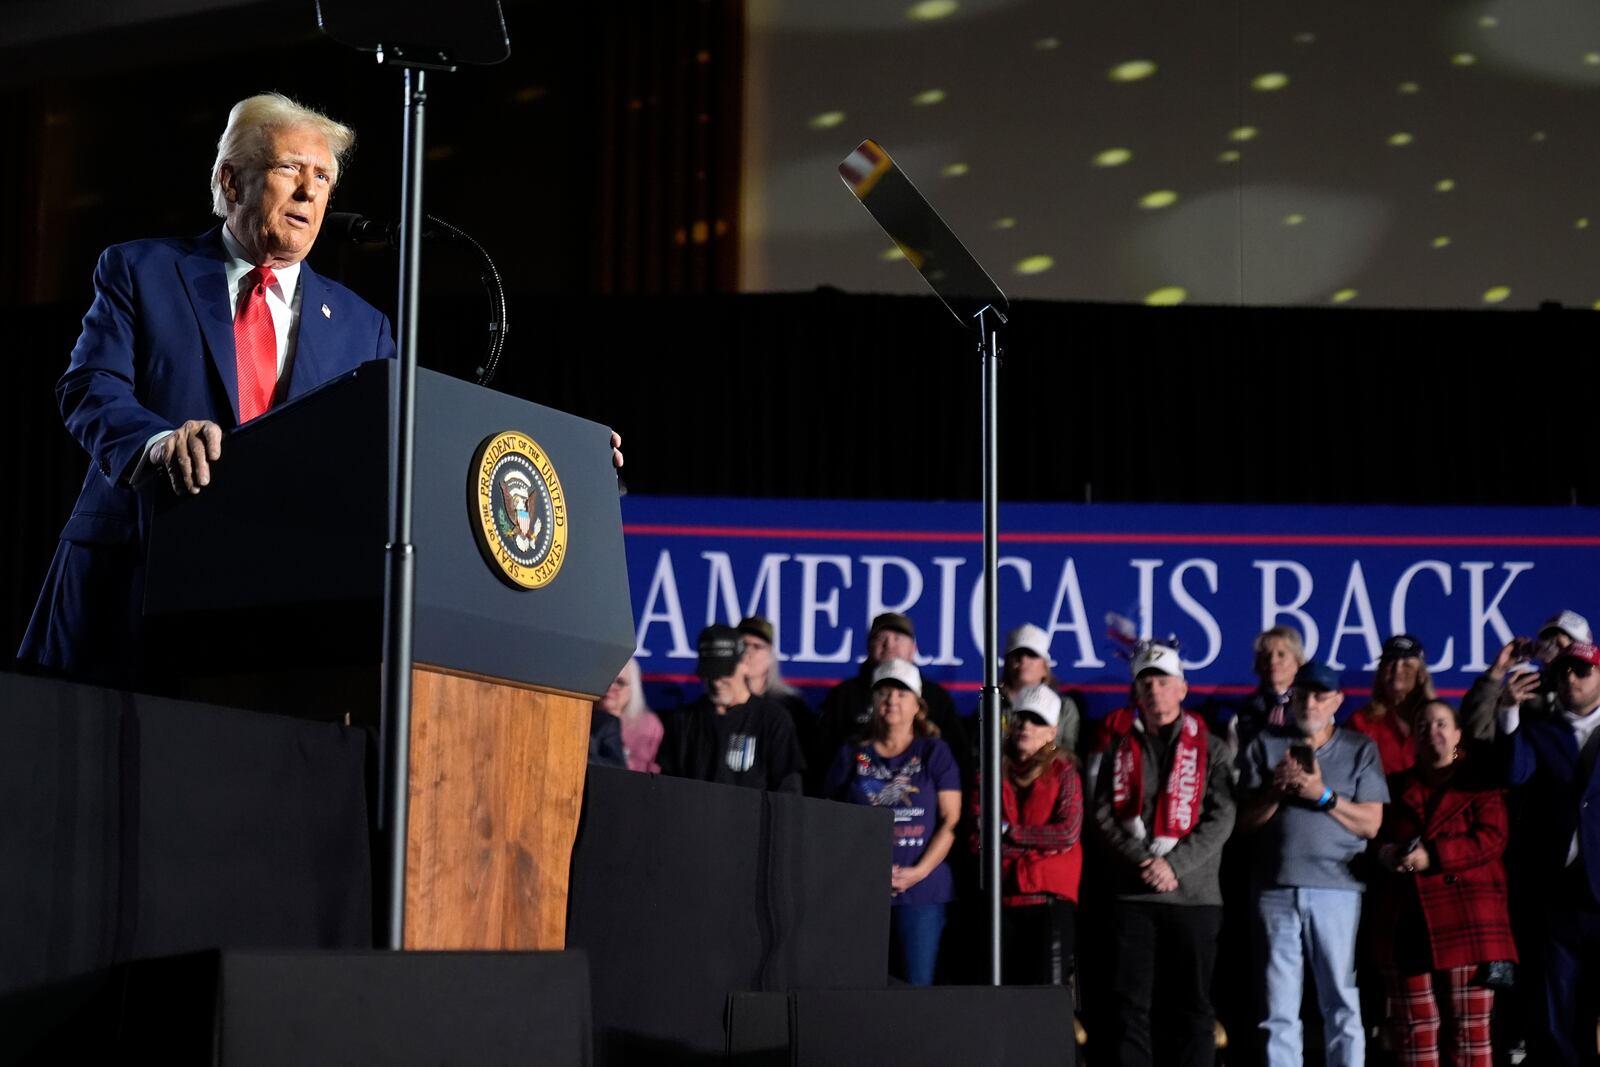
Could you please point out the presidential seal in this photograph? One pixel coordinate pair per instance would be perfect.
(519, 514)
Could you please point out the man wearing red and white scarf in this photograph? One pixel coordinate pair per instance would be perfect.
(1163, 806)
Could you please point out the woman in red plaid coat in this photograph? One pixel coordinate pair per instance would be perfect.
(1441, 908)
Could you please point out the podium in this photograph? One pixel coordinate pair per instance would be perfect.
(274, 576)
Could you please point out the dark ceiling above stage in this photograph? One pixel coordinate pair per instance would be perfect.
(1359, 152)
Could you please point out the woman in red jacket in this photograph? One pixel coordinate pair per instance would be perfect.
(1443, 907)
(1041, 818)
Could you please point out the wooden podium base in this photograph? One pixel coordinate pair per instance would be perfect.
(497, 776)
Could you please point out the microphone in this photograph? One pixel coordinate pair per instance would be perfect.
(360, 229)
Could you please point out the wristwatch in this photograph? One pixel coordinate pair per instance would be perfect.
(1329, 801)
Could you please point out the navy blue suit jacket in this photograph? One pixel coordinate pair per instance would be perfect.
(157, 350)
(1559, 800)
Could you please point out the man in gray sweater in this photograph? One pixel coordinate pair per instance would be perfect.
(1163, 806)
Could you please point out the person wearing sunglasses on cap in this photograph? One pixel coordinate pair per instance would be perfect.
(1041, 860)
(1026, 666)
(904, 766)
(1553, 761)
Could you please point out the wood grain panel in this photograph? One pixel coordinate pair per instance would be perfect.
(496, 787)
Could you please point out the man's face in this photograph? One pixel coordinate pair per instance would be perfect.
(1577, 684)
(1160, 697)
(891, 644)
(1313, 709)
(728, 691)
(275, 207)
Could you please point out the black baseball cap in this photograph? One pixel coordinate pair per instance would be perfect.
(720, 649)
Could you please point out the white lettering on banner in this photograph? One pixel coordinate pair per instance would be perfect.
(811, 607)
(1190, 607)
(1272, 607)
(947, 612)
(1397, 607)
(1147, 595)
(1204, 598)
(875, 602)
(1069, 593)
(765, 597)
(1024, 569)
(1355, 595)
(664, 584)
(1185, 784)
(1490, 615)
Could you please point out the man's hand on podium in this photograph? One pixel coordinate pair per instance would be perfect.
(188, 452)
(616, 450)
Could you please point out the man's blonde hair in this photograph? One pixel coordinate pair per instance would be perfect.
(244, 141)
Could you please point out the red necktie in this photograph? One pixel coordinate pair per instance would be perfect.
(256, 345)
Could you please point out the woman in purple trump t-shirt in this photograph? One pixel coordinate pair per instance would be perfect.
(905, 767)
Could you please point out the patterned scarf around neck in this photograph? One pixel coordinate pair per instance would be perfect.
(1178, 806)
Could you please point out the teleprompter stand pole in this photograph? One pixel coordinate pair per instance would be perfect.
(989, 322)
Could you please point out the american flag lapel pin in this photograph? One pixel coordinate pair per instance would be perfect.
(326, 313)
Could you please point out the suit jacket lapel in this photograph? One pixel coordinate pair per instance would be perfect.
(206, 282)
(311, 336)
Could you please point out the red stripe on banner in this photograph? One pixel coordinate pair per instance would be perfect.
(1398, 540)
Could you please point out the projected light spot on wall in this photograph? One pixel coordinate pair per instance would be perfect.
(1112, 157)
(1006, 223)
(1033, 265)
(1132, 71)
(953, 170)
(928, 97)
(1230, 156)
(1243, 133)
(1270, 82)
(891, 254)
(826, 121)
(1293, 219)
(1444, 185)
(1400, 139)
(929, 10)
(1343, 296)
(1581, 224)
(1441, 241)
(1046, 44)
(1488, 22)
(1591, 59)
(1160, 198)
(1538, 137)
(1304, 38)
(1464, 59)
(1496, 295)
(1166, 297)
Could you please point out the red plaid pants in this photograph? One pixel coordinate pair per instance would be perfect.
(1425, 1036)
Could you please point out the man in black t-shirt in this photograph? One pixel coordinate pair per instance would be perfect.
(730, 735)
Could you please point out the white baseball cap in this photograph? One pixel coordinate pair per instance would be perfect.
(1042, 701)
(1157, 657)
(1031, 638)
(1570, 623)
(898, 672)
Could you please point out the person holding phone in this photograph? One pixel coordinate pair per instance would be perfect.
(1442, 901)
(1313, 794)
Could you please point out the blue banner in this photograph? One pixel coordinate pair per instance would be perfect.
(1463, 580)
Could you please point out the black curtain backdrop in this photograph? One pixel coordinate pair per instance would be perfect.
(829, 395)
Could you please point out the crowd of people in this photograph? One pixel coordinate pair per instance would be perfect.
(1225, 855)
